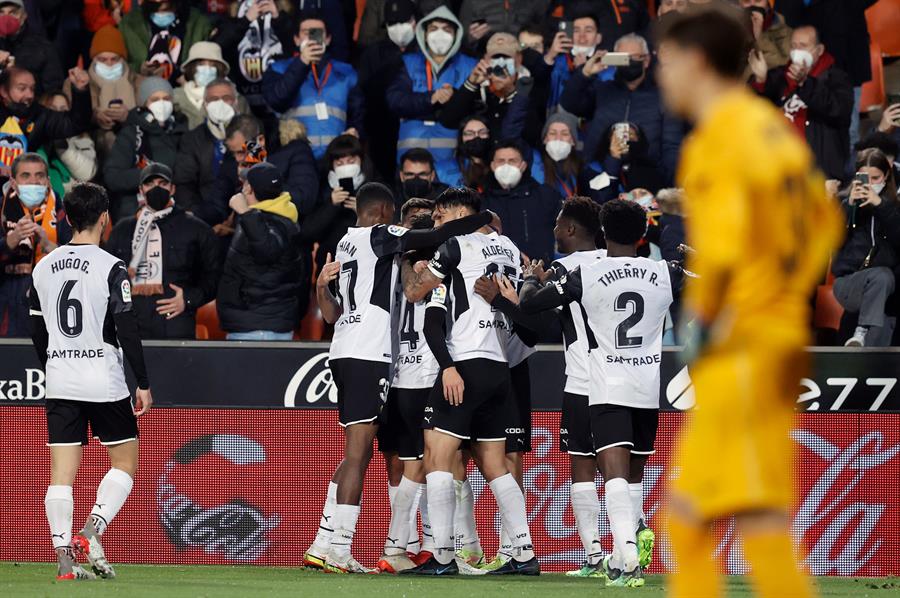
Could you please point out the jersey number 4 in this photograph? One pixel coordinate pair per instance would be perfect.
(408, 332)
(69, 311)
(634, 302)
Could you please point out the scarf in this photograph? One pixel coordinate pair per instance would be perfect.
(103, 92)
(165, 48)
(281, 205)
(29, 251)
(259, 46)
(146, 267)
(794, 108)
(194, 93)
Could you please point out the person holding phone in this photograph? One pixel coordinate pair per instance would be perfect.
(865, 265)
(315, 89)
(890, 116)
(573, 44)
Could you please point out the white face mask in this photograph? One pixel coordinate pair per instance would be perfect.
(205, 74)
(802, 58)
(110, 73)
(508, 176)
(346, 171)
(161, 110)
(877, 188)
(558, 149)
(220, 112)
(439, 42)
(583, 51)
(401, 33)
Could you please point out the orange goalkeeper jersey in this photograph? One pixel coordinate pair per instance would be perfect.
(760, 221)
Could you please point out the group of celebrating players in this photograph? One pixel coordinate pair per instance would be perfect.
(434, 322)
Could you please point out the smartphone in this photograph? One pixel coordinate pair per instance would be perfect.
(616, 59)
(622, 131)
(567, 27)
(862, 177)
(346, 184)
(479, 22)
(893, 98)
(115, 102)
(317, 35)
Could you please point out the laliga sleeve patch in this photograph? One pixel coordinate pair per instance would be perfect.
(397, 231)
(126, 291)
(438, 297)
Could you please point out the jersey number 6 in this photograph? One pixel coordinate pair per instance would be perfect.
(69, 311)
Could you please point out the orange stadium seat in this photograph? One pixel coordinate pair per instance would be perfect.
(873, 91)
(208, 323)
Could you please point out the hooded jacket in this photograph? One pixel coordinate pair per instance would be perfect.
(261, 281)
(409, 95)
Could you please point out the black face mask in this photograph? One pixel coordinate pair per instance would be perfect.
(758, 9)
(632, 72)
(157, 198)
(19, 109)
(417, 187)
(477, 148)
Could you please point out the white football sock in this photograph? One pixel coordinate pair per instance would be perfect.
(618, 508)
(636, 494)
(398, 531)
(441, 505)
(58, 504)
(505, 548)
(112, 492)
(586, 507)
(427, 537)
(464, 520)
(326, 523)
(345, 517)
(511, 504)
(412, 543)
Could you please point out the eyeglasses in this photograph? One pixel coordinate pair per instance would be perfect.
(480, 133)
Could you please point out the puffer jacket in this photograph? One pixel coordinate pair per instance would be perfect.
(872, 232)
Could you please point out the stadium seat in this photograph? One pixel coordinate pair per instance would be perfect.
(201, 332)
(872, 96)
(828, 310)
(884, 22)
(208, 318)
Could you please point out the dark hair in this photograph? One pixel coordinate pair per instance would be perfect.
(473, 174)
(84, 204)
(341, 147)
(531, 27)
(11, 73)
(190, 69)
(624, 222)
(584, 212)
(248, 125)
(875, 158)
(417, 155)
(718, 32)
(415, 203)
(309, 15)
(27, 157)
(515, 144)
(371, 194)
(459, 197)
(878, 140)
(583, 10)
(421, 222)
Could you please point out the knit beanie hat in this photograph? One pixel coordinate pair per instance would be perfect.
(151, 85)
(565, 118)
(108, 39)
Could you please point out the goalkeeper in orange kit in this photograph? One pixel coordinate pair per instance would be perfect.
(762, 228)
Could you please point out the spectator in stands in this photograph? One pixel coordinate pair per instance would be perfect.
(151, 133)
(531, 36)
(624, 166)
(25, 125)
(772, 35)
(887, 145)
(667, 6)
(29, 224)
(417, 177)
(160, 33)
(258, 296)
(203, 66)
(864, 267)
(569, 53)
(526, 208)
(314, 88)
(631, 96)
(172, 258)
(498, 88)
(257, 35)
(202, 149)
(101, 13)
(112, 86)
(374, 17)
(618, 18)
(814, 94)
(890, 121)
(473, 154)
(480, 18)
(425, 85)
(347, 168)
(558, 164)
(72, 160)
(27, 47)
(381, 61)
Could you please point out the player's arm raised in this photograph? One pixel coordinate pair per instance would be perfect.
(128, 335)
(328, 303)
(425, 239)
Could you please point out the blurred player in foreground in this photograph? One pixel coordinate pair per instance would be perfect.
(762, 226)
(81, 315)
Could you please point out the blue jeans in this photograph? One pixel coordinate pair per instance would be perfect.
(260, 335)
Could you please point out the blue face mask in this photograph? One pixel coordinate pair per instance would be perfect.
(162, 19)
(110, 73)
(32, 195)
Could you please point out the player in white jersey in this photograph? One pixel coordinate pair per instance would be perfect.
(468, 338)
(82, 321)
(355, 293)
(626, 300)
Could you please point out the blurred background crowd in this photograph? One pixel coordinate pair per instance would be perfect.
(170, 104)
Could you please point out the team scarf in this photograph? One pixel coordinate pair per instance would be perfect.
(29, 250)
(259, 47)
(146, 267)
(795, 108)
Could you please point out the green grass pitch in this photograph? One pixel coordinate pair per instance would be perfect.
(137, 581)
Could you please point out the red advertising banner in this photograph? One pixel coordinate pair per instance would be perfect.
(247, 486)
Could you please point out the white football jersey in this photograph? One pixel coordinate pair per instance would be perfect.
(626, 300)
(577, 338)
(475, 329)
(365, 290)
(77, 289)
(416, 365)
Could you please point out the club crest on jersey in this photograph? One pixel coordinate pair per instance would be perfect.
(126, 291)
(397, 231)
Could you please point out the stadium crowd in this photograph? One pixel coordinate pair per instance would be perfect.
(169, 103)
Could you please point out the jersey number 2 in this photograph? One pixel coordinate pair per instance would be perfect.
(69, 311)
(636, 302)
